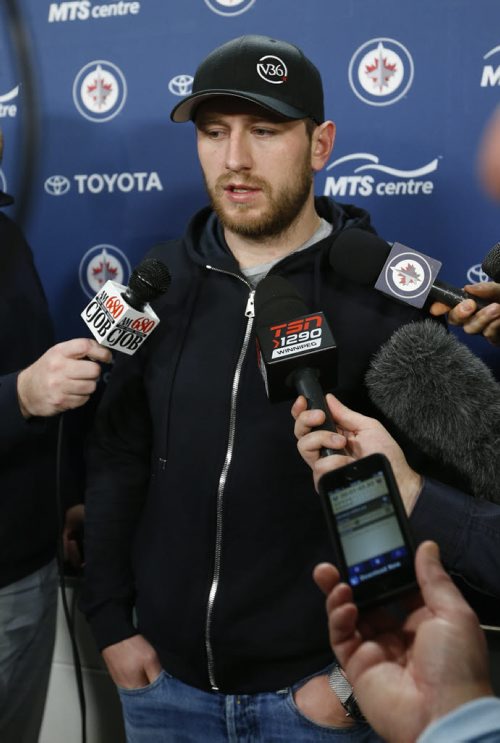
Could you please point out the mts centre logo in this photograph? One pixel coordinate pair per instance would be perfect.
(8, 108)
(381, 71)
(491, 72)
(362, 174)
(82, 10)
(229, 7)
(99, 91)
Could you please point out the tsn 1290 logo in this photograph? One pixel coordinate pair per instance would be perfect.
(297, 335)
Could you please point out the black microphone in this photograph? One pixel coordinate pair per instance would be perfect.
(444, 398)
(120, 317)
(491, 263)
(398, 271)
(147, 282)
(295, 347)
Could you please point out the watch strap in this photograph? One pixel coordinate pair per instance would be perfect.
(344, 691)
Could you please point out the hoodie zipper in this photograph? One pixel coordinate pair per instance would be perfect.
(249, 313)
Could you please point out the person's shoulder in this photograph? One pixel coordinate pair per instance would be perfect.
(14, 247)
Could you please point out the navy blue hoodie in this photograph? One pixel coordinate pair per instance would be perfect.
(199, 511)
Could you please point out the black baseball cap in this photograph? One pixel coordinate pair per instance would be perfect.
(274, 74)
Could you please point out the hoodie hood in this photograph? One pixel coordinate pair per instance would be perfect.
(206, 244)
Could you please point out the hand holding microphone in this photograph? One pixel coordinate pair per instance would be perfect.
(63, 378)
(119, 317)
(397, 271)
(410, 277)
(360, 437)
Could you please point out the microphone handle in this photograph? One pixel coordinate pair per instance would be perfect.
(451, 295)
(306, 383)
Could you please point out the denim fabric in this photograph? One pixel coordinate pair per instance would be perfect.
(27, 631)
(169, 711)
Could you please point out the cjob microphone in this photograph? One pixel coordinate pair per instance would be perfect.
(296, 351)
(120, 317)
(398, 271)
(444, 398)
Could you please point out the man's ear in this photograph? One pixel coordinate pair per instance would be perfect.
(322, 142)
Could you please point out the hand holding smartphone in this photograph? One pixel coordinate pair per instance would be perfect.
(370, 530)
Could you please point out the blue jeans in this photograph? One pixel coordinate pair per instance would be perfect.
(169, 711)
(27, 631)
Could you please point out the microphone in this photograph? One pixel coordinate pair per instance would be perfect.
(120, 317)
(444, 398)
(398, 271)
(296, 351)
(491, 263)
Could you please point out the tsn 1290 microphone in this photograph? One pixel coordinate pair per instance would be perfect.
(296, 351)
(444, 398)
(120, 317)
(398, 271)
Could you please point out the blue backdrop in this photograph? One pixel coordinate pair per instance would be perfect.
(100, 173)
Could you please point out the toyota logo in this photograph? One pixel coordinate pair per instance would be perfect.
(476, 275)
(57, 185)
(181, 85)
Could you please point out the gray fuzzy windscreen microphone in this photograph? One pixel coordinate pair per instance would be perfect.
(444, 398)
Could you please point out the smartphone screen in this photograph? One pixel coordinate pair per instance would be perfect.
(370, 530)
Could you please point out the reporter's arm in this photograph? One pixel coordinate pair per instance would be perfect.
(468, 537)
(485, 321)
(476, 722)
(408, 673)
(14, 427)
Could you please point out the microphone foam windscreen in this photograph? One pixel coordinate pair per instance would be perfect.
(359, 256)
(444, 398)
(276, 300)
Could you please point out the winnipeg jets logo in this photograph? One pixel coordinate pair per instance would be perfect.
(100, 264)
(381, 71)
(229, 7)
(99, 91)
(409, 274)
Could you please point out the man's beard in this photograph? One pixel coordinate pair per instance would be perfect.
(282, 208)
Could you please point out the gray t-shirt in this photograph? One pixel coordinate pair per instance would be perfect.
(256, 273)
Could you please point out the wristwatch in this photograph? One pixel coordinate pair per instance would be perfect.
(344, 691)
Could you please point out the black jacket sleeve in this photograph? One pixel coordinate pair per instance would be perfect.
(118, 466)
(467, 531)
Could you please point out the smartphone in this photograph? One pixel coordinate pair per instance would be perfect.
(370, 531)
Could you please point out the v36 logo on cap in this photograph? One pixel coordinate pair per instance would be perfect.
(272, 69)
